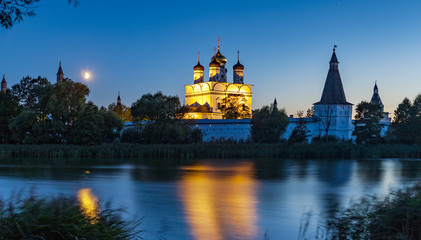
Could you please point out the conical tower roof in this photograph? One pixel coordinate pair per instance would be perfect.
(60, 70)
(376, 97)
(333, 91)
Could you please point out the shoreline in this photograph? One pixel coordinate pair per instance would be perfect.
(213, 151)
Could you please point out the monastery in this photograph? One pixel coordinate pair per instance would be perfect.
(332, 114)
(204, 100)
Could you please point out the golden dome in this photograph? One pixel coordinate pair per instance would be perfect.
(214, 62)
(220, 58)
(198, 66)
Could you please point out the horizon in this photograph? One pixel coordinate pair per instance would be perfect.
(284, 46)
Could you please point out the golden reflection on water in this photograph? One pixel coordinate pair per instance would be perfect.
(219, 201)
(88, 203)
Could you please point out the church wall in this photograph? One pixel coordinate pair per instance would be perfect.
(218, 129)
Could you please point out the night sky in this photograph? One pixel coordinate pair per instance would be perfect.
(137, 47)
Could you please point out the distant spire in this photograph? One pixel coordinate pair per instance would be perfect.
(219, 42)
(119, 99)
(60, 74)
(376, 89)
(198, 56)
(238, 55)
(3, 84)
(275, 104)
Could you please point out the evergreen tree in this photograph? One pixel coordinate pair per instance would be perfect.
(406, 125)
(367, 123)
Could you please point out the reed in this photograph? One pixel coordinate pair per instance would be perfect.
(116, 152)
(394, 216)
(60, 218)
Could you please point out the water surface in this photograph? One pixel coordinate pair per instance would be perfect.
(217, 199)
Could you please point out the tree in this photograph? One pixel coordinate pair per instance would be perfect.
(300, 132)
(66, 100)
(121, 110)
(155, 107)
(95, 126)
(406, 125)
(162, 113)
(268, 124)
(234, 106)
(324, 114)
(112, 126)
(9, 108)
(21, 126)
(131, 135)
(367, 123)
(29, 91)
(166, 132)
(13, 11)
(310, 112)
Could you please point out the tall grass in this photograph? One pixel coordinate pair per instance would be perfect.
(113, 152)
(59, 218)
(395, 216)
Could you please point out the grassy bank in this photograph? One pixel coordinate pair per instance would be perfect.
(217, 150)
(61, 218)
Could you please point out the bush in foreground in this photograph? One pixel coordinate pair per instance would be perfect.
(395, 216)
(59, 218)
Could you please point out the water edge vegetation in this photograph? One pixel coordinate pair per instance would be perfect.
(213, 150)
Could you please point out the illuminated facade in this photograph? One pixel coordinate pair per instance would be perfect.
(204, 99)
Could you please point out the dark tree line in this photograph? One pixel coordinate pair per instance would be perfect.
(37, 112)
(157, 119)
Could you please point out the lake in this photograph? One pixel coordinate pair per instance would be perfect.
(217, 199)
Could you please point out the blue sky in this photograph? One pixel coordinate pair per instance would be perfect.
(137, 47)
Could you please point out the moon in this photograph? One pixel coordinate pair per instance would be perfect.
(87, 76)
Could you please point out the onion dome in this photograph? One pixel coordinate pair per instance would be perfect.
(198, 67)
(238, 66)
(220, 58)
(214, 63)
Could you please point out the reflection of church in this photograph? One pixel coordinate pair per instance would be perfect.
(204, 99)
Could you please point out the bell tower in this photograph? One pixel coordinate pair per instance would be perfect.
(60, 74)
(3, 85)
(238, 71)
